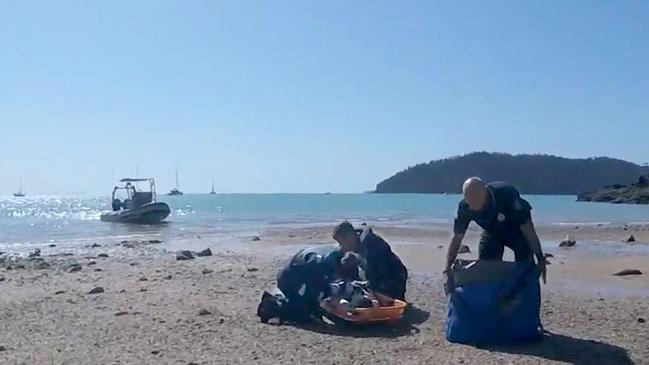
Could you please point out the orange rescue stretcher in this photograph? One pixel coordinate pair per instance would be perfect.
(390, 311)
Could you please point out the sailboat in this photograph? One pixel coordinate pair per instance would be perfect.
(20, 192)
(212, 192)
(176, 190)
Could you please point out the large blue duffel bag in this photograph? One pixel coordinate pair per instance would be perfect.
(494, 302)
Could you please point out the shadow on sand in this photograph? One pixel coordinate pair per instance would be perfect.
(405, 327)
(567, 349)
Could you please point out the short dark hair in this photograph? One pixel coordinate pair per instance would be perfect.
(343, 229)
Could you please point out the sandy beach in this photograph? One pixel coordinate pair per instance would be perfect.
(156, 310)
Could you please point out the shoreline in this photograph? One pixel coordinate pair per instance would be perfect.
(599, 250)
(179, 230)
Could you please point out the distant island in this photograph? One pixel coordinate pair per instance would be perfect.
(637, 193)
(531, 174)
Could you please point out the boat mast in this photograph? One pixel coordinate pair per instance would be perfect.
(20, 184)
(177, 185)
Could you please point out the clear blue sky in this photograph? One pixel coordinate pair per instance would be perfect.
(307, 96)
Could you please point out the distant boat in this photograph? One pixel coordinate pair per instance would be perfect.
(176, 191)
(212, 192)
(20, 192)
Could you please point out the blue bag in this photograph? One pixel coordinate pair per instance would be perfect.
(499, 305)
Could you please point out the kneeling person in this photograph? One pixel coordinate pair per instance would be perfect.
(383, 268)
(302, 283)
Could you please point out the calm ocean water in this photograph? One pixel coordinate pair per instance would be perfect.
(66, 219)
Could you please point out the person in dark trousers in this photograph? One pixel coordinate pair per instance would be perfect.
(505, 218)
(383, 268)
(303, 282)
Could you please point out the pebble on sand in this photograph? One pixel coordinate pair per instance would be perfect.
(102, 255)
(42, 266)
(630, 239)
(142, 279)
(255, 239)
(253, 269)
(118, 314)
(73, 268)
(628, 272)
(97, 290)
(641, 320)
(464, 249)
(207, 271)
(2, 348)
(155, 241)
(184, 255)
(204, 312)
(95, 245)
(58, 292)
(204, 253)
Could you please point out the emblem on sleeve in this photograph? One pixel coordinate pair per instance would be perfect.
(501, 217)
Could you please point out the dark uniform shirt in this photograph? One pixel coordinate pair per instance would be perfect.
(383, 269)
(500, 219)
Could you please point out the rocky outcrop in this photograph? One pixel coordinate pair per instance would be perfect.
(637, 193)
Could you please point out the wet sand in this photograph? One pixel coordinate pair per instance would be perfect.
(150, 310)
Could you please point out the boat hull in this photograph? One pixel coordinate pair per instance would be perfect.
(146, 214)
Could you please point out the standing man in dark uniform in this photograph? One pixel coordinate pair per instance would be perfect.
(505, 219)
